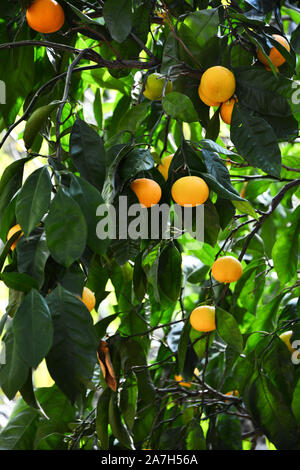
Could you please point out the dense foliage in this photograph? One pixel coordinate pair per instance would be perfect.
(140, 376)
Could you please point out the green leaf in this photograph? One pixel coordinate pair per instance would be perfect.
(19, 432)
(277, 364)
(88, 153)
(36, 122)
(179, 106)
(203, 25)
(228, 435)
(218, 177)
(250, 286)
(72, 357)
(34, 200)
(211, 223)
(245, 208)
(195, 439)
(170, 54)
(214, 147)
(228, 330)
(101, 325)
(32, 327)
(14, 373)
(261, 91)
(133, 118)
(255, 140)
(139, 279)
(118, 428)
(32, 255)
(60, 413)
(213, 127)
(66, 229)
(98, 111)
(89, 199)
(169, 272)
(296, 402)
(136, 161)
(285, 251)
(118, 18)
(132, 355)
(18, 281)
(128, 400)
(102, 418)
(11, 181)
(28, 395)
(271, 413)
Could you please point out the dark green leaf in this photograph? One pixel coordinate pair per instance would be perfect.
(19, 432)
(255, 140)
(228, 330)
(72, 357)
(88, 153)
(18, 281)
(179, 106)
(14, 373)
(32, 327)
(271, 413)
(118, 18)
(102, 418)
(66, 229)
(34, 200)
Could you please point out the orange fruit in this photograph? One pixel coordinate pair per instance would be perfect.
(274, 55)
(45, 16)
(190, 191)
(234, 393)
(227, 269)
(217, 84)
(12, 231)
(206, 100)
(203, 318)
(178, 378)
(165, 165)
(88, 298)
(147, 191)
(226, 110)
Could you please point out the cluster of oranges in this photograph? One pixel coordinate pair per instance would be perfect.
(186, 191)
(217, 85)
(225, 269)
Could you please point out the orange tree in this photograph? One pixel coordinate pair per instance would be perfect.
(75, 74)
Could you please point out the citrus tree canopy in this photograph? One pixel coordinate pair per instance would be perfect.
(149, 224)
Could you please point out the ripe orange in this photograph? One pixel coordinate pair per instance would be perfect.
(12, 231)
(147, 191)
(190, 191)
(226, 110)
(88, 298)
(178, 378)
(227, 269)
(45, 16)
(217, 84)
(203, 318)
(276, 58)
(165, 165)
(234, 393)
(206, 100)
